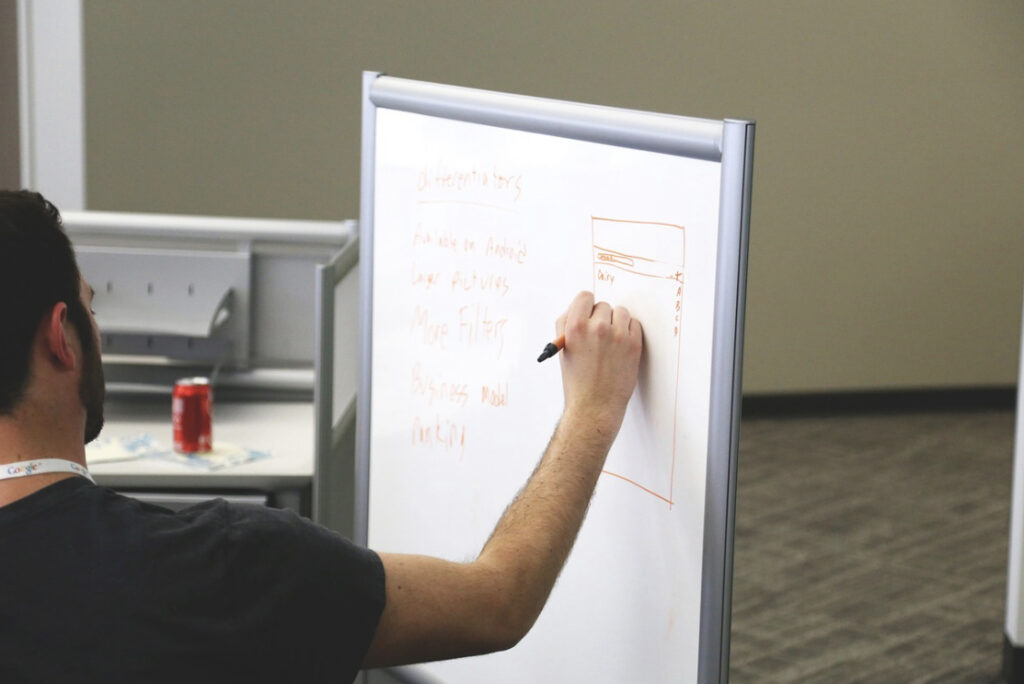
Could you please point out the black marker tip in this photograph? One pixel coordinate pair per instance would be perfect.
(549, 350)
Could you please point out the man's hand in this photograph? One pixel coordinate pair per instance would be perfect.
(438, 609)
(600, 361)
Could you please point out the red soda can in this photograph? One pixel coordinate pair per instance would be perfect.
(192, 415)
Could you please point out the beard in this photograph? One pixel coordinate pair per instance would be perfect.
(91, 392)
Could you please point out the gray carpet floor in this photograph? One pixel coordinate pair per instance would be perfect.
(872, 548)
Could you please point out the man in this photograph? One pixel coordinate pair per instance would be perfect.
(98, 587)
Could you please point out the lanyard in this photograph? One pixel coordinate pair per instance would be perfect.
(40, 466)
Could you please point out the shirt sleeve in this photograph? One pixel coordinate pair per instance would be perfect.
(308, 598)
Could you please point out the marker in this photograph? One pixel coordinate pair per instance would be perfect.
(552, 348)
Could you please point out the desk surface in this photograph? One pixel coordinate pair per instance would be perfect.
(285, 429)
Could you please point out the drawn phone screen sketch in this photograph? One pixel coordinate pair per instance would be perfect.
(641, 265)
(483, 214)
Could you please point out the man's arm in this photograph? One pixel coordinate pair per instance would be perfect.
(438, 609)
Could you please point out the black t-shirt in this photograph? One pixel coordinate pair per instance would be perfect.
(98, 587)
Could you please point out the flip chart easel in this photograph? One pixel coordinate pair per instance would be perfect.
(482, 214)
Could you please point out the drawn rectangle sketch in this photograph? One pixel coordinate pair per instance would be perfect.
(641, 265)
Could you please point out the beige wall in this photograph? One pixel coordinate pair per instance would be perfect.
(10, 170)
(887, 245)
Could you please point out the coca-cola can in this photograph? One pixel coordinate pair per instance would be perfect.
(192, 415)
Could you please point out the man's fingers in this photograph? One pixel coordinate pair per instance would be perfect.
(602, 312)
(635, 329)
(581, 306)
(621, 317)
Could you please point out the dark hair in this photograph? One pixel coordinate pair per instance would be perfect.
(37, 270)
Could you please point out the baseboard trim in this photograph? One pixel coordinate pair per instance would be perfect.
(1013, 662)
(880, 401)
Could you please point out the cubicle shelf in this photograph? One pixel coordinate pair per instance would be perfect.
(165, 292)
(227, 296)
(174, 303)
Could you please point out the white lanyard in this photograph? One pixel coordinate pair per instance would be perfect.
(40, 466)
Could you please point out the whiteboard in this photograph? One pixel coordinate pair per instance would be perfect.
(477, 236)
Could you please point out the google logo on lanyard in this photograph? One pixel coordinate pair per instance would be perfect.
(24, 468)
(46, 465)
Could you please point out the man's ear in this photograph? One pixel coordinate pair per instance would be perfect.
(58, 343)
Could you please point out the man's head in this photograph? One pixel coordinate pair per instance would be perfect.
(37, 273)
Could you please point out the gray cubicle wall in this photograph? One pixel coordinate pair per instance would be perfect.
(337, 377)
(272, 325)
(163, 283)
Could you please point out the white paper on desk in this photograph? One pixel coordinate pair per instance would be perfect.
(224, 455)
(110, 449)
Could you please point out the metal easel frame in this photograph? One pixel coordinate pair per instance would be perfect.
(729, 142)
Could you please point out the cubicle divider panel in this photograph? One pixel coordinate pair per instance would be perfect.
(264, 391)
(175, 263)
(337, 357)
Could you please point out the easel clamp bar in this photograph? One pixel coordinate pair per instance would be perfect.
(685, 136)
